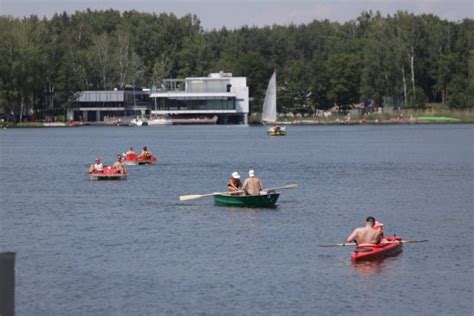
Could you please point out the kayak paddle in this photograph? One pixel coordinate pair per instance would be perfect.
(386, 242)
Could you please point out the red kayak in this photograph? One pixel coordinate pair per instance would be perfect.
(109, 173)
(133, 159)
(392, 247)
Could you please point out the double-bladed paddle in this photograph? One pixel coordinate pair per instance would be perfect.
(344, 244)
(198, 196)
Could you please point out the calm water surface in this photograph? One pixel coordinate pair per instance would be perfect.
(132, 248)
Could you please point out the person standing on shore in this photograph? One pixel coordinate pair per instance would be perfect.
(252, 185)
(366, 234)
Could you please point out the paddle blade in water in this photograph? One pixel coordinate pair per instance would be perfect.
(189, 197)
(339, 245)
(412, 241)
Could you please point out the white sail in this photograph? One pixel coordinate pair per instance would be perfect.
(269, 113)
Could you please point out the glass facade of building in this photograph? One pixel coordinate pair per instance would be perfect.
(206, 86)
(112, 99)
(204, 104)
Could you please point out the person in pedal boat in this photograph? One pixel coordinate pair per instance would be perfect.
(234, 186)
(97, 166)
(119, 165)
(130, 154)
(145, 154)
(252, 185)
(366, 234)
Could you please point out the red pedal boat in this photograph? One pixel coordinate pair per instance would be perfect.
(389, 248)
(133, 159)
(108, 173)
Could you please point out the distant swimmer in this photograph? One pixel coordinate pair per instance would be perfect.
(252, 185)
(366, 234)
(234, 186)
(97, 166)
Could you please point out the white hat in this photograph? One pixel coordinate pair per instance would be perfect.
(235, 175)
(251, 173)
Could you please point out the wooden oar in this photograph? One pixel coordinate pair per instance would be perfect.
(198, 196)
(385, 242)
(289, 186)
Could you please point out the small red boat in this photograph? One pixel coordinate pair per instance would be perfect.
(108, 173)
(392, 246)
(133, 159)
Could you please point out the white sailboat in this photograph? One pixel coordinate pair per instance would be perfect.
(136, 121)
(269, 114)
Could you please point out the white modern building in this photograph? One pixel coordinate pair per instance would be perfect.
(219, 96)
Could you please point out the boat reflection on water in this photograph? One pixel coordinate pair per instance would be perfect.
(372, 267)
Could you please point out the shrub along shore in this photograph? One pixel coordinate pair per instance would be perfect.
(405, 117)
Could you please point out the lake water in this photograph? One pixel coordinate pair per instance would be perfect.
(132, 248)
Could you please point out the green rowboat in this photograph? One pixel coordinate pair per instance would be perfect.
(265, 200)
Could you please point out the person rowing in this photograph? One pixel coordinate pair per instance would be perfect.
(234, 186)
(252, 185)
(366, 234)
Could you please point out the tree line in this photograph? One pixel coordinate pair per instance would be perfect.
(404, 59)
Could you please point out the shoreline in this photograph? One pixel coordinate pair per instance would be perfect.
(285, 123)
(452, 117)
(370, 122)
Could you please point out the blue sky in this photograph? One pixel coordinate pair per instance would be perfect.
(235, 13)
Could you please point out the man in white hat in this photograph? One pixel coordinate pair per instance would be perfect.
(97, 166)
(252, 185)
(233, 184)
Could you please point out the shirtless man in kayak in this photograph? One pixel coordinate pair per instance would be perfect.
(366, 234)
(252, 185)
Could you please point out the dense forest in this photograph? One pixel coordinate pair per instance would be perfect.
(406, 59)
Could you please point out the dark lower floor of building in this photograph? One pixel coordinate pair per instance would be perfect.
(107, 115)
(102, 115)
